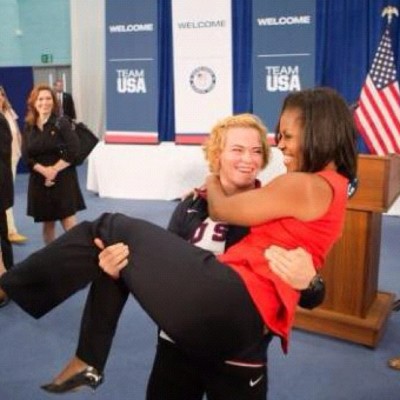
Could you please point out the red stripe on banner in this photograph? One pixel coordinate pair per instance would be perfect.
(191, 139)
(131, 138)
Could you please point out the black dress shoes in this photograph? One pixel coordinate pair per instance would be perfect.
(88, 377)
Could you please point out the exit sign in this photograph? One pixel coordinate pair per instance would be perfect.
(46, 58)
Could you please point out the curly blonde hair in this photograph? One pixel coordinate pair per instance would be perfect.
(215, 143)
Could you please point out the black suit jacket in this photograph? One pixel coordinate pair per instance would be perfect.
(68, 105)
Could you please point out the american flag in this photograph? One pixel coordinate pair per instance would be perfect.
(378, 114)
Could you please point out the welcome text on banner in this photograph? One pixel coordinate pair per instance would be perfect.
(202, 41)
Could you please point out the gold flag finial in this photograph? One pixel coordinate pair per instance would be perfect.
(389, 11)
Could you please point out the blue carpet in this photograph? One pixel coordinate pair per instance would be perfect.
(317, 367)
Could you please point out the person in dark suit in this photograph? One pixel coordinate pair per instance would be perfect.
(66, 102)
(6, 197)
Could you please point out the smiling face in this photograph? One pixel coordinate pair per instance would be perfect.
(241, 159)
(290, 139)
(44, 103)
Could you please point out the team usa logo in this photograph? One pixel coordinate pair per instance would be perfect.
(202, 80)
(131, 81)
(282, 78)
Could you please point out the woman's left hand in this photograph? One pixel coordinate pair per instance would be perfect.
(113, 258)
(294, 267)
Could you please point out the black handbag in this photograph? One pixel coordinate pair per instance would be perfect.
(87, 141)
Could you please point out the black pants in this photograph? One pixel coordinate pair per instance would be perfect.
(104, 305)
(200, 302)
(6, 247)
(180, 377)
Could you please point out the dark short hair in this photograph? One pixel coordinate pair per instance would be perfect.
(329, 131)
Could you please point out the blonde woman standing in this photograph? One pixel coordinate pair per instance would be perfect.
(11, 117)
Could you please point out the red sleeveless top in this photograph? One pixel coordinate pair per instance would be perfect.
(275, 300)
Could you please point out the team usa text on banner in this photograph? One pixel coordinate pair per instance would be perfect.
(283, 53)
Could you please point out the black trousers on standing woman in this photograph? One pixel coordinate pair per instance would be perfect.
(200, 302)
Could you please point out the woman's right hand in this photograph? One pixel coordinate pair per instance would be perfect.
(50, 174)
(113, 258)
(194, 192)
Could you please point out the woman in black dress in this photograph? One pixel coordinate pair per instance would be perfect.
(49, 147)
(6, 198)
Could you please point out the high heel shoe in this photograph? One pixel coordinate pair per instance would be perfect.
(4, 299)
(88, 377)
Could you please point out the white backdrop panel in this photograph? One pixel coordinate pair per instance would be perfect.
(159, 172)
(162, 172)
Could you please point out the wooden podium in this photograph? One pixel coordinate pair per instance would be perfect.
(353, 309)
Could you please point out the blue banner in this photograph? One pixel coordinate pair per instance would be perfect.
(283, 53)
(131, 71)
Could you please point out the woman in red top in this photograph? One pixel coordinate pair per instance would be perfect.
(216, 307)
